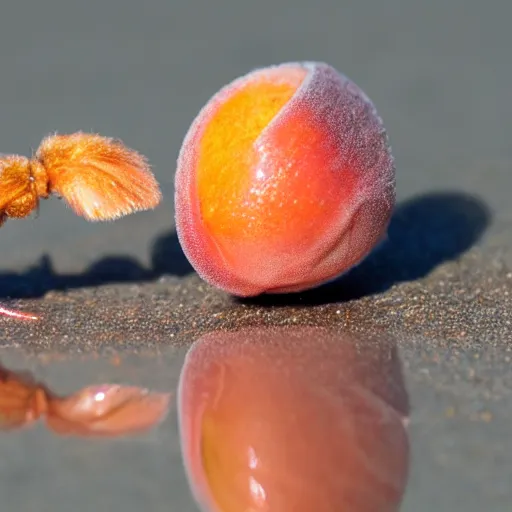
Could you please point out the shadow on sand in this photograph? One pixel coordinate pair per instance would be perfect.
(424, 232)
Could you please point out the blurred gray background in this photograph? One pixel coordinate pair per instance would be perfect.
(439, 72)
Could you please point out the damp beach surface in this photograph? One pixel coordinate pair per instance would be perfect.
(120, 303)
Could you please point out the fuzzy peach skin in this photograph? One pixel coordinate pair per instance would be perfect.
(292, 420)
(285, 180)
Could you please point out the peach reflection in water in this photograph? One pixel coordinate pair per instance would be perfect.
(295, 420)
(106, 410)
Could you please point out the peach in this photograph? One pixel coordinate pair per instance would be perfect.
(292, 421)
(285, 180)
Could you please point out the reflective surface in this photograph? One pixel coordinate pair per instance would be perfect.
(44, 470)
(458, 427)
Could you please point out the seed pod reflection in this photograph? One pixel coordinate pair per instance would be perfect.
(101, 411)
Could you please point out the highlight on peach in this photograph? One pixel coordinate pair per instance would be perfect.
(284, 181)
(99, 178)
(293, 420)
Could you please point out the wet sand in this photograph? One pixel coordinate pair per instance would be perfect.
(120, 302)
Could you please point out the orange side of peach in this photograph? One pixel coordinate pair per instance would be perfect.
(284, 181)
